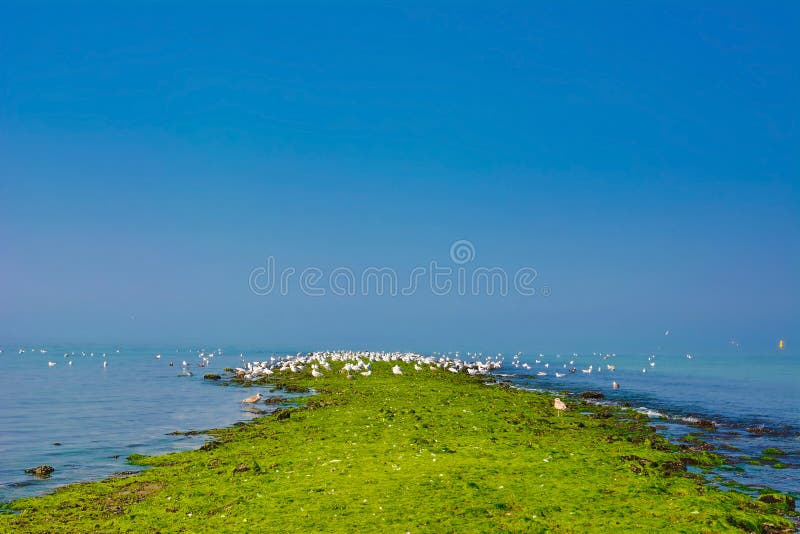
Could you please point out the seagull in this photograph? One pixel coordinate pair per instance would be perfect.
(559, 405)
(252, 399)
(396, 370)
(105, 363)
(614, 384)
(51, 364)
(315, 373)
(560, 375)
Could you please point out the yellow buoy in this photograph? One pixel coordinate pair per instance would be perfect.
(780, 344)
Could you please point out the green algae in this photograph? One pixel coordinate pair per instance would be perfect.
(426, 451)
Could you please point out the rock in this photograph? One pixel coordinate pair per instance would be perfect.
(241, 468)
(596, 395)
(770, 528)
(705, 424)
(211, 376)
(785, 502)
(56, 443)
(274, 400)
(282, 415)
(41, 471)
(210, 445)
(759, 430)
(672, 468)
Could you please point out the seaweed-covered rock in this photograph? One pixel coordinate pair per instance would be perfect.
(770, 528)
(595, 395)
(705, 424)
(211, 376)
(673, 468)
(784, 502)
(41, 471)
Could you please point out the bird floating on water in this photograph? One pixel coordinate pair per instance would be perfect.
(780, 344)
(614, 384)
(51, 364)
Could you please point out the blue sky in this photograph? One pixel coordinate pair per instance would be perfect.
(642, 158)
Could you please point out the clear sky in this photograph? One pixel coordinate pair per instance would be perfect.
(642, 157)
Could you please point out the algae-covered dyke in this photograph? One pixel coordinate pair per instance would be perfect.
(426, 450)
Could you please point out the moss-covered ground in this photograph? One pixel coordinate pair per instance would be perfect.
(427, 451)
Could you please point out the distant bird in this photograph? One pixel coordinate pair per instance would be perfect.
(105, 363)
(417, 367)
(560, 375)
(69, 362)
(252, 399)
(158, 356)
(541, 373)
(689, 356)
(614, 384)
(560, 406)
(396, 370)
(780, 344)
(366, 373)
(316, 374)
(666, 333)
(51, 364)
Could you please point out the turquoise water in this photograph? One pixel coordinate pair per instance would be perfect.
(100, 415)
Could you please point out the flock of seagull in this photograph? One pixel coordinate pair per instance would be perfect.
(360, 362)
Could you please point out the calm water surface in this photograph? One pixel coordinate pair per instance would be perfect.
(100, 415)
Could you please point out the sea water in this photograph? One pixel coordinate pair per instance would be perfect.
(85, 419)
